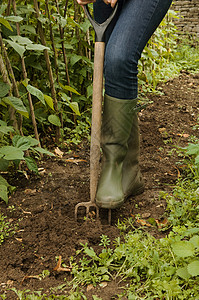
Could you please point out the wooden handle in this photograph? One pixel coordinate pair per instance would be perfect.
(96, 117)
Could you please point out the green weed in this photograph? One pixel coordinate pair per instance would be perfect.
(165, 269)
(153, 268)
(6, 228)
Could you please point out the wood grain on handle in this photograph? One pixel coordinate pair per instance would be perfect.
(96, 117)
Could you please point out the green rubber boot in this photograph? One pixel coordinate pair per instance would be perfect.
(132, 181)
(117, 123)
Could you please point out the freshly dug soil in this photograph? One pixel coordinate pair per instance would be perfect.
(44, 206)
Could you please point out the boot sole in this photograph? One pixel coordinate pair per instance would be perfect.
(110, 205)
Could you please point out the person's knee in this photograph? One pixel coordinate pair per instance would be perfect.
(114, 63)
(118, 65)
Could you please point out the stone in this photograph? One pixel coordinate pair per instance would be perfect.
(189, 15)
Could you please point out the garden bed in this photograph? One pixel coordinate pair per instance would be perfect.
(43, 207)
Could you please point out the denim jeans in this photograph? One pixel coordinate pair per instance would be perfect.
(126, 37)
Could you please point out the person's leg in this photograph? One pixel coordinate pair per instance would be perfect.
(120, 174)
(135, 25)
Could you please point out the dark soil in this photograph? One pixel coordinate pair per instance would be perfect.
(44, 206)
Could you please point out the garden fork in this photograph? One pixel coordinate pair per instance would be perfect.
(96, 111)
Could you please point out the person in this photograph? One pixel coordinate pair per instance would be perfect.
(125, 39)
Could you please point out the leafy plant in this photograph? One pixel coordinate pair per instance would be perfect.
(6, 228)
(165, 269)
(5, 188)
(193, 149)
(154, 268)
(14, 155)
(157, 60)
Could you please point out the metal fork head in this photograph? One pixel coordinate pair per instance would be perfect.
(87, 205)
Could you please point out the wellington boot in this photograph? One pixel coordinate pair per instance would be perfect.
(116, 129)
(132, 181)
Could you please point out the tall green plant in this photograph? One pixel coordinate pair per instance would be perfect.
(156, 61)
(60, 29)
(65, 56)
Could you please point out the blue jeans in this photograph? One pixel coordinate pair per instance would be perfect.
(126, 37)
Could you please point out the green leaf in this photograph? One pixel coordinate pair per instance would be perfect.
(28, 29)
(3, 181)
(89, 91)
(3, 8)
(4, 89)
(85, 25)
(90, 252)
(18, 48)
(69, 88)
(25, 82)
(74, 59)
(96, 297)
(192, 149)
(20, 39)
(75, 108)
(4, 193)
(183, 273)
(53, 119)
(43, 151)
(197, 159)
(36, 92)
(3, 123)
(14, 18)
(64, 97)
(31, 164)
(49, 101)
(12, 153)
(102, 270)
(154, 53)
(24, 142)
(193, 268)
(195, 241)
(68, 45)
(4, 164)
(43, 20)
(17, 104)
(106, 278)
(4, 187)
(6, 129)
(191, 231)
(183, 248)
(36, 47)
(5, 23)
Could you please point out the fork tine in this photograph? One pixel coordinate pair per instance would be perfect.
(109, 216)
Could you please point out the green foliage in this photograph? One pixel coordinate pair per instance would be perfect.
(5, 189)
(153, 268)
(193, 149)
(157, 62)
(6, 228)
(146, 267)
(186, 56)
(165, 269)
(166, 54)
(14, 154)
(38, 295)
(72, 69)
